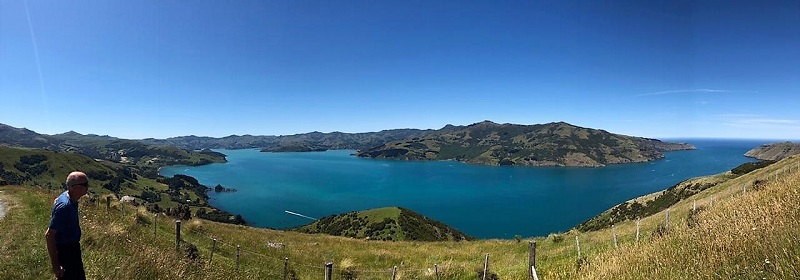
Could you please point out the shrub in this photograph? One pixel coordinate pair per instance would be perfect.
(142, 219)
(660, 231)
(557, 238)
(191, 252)
(692, 219)
(489, 275)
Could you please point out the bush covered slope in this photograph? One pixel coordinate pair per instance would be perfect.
(552, 144)
(391, 223)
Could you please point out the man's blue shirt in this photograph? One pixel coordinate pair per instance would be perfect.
(64, 220)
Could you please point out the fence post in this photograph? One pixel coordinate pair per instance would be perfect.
(578, 245)
(436, 271)
(711, 203)
(533, 272)
(694, 205)
(394, 272)
(666, 220)
(328, 270)
(637, 229)
(285, 268)
(744, 188)
(237, 258)
(614, 232)
(108, 203)
(485, 266)
(177, 235)
(213, 246)
(155, 226)
(532, 254)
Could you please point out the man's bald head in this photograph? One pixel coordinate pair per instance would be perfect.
(77, 178)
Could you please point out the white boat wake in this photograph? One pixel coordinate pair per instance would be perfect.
(298, 214)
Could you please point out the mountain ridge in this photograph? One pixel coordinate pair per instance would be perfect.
(551, 144)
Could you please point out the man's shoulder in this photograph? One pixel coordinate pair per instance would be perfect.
(61, 201)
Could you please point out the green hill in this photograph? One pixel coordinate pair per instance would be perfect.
(552, 144)
(390, 223)
(179, 195)
(146, 157)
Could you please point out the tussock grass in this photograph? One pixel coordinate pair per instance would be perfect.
(752, 235)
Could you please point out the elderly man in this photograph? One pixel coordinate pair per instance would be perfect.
(64, 233)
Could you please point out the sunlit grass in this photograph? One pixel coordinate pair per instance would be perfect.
(751, 235)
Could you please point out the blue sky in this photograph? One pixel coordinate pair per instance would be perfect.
(139, 69)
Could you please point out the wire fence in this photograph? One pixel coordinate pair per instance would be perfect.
(286, 267)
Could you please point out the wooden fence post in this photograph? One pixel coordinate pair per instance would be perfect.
(394, 272)
(666, 220)
(213, 246)
(694, 205)
(637, 229)
(285, 268)
(744, 188)
(532, 255)
(711, 203)
(485, 266)
(328, 270)
(177, 235)
(108, 203)
(533, 272)
(155, 226)
(237, 258)
(436, 271)
(614, 232)
(578, 245)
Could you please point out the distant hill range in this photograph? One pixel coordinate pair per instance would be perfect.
(306, 142)
(147, 157)
(390, 223)
(552, 144)
(775, 151)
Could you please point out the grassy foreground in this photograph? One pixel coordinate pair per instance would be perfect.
(744, 235)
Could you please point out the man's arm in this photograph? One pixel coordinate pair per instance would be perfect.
(50, 236)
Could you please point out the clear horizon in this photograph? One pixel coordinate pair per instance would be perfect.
(153, 69)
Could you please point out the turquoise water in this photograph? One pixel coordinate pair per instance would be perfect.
(482, 201)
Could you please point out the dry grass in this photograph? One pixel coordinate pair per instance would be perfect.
(741, 236)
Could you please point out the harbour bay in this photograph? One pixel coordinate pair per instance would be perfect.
(481, 201)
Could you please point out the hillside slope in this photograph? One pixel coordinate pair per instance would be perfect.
(752, 234)
(552, 144)
(775, 151)
(148, 158)
(390, 223)
(47, 169)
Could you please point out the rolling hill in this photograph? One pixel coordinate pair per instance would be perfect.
(774, 151)
(552, 144)
(390, 223)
